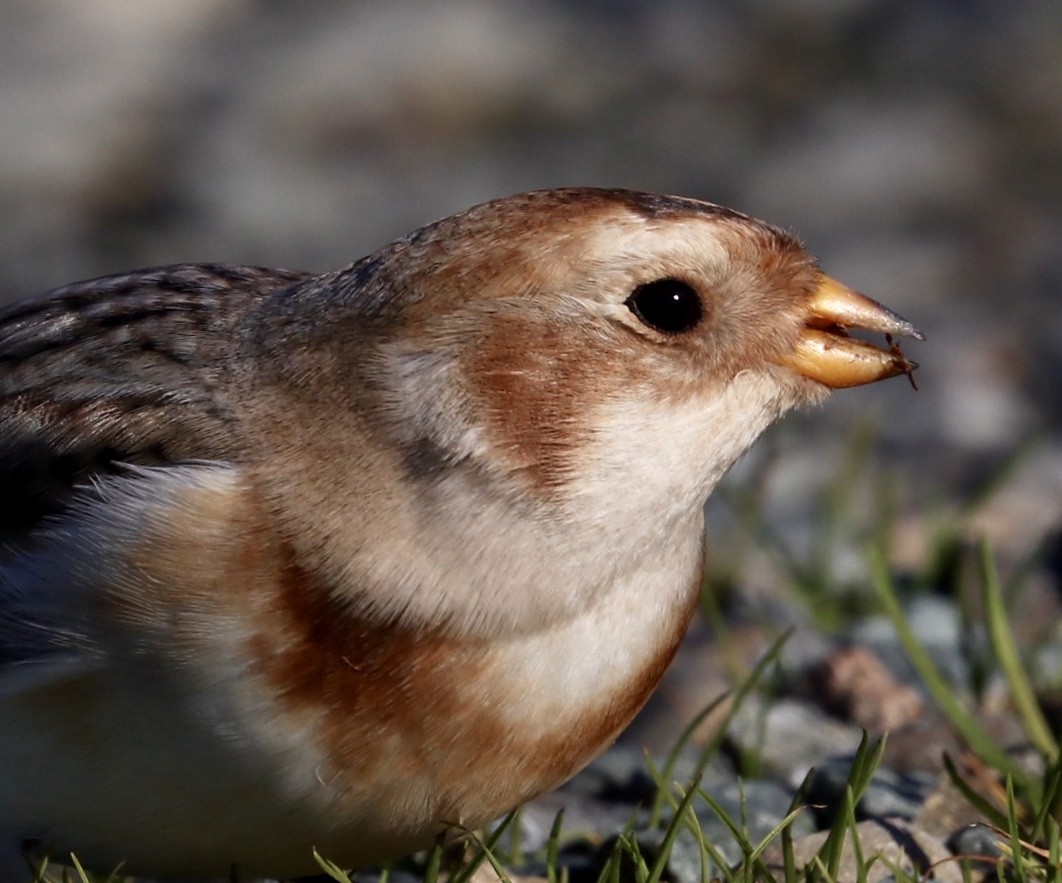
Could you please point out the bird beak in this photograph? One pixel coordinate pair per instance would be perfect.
(824, 351)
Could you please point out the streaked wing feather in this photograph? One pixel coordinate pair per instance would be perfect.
(123, 369)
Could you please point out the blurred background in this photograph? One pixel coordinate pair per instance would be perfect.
(915, 146)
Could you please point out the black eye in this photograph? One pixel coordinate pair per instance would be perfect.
(668, 305)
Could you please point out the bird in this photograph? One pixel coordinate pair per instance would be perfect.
(340, 561)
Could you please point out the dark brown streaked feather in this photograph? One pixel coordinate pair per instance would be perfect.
(121, 369)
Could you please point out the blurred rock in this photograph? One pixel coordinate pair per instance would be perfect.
(855, 685)
(889, 794)
(790, 737)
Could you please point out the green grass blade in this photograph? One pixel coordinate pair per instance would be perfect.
(702, 845)
(638, 862)
(865, 762)
(553, 846)
(485, 849)
(82, 874)
(775, 832)
(657, 870)
(1051, 804)
(673, 756)
(1013, 829)
(610, 872)
(330, 868)
(435, 857)
(1053, 838)
(942, 693)
(662, 779)
(768, 658)
(717, 858)
(516, 843)
(495, 863)
(989, 810)
(1006, 651)
(853, 833)
(725, 818)
(789, 868)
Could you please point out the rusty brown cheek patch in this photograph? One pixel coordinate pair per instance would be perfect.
(534, 382)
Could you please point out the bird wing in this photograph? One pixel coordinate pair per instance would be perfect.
(96, 376)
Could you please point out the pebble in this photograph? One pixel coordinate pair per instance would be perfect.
(889, 795)
(978, 842)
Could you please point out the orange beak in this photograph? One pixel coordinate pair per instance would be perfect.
(824, 351)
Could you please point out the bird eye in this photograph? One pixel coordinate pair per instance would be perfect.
(667, 305)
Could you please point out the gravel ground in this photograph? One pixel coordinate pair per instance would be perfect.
(917, 148)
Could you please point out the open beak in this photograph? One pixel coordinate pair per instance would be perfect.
(824, 351)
